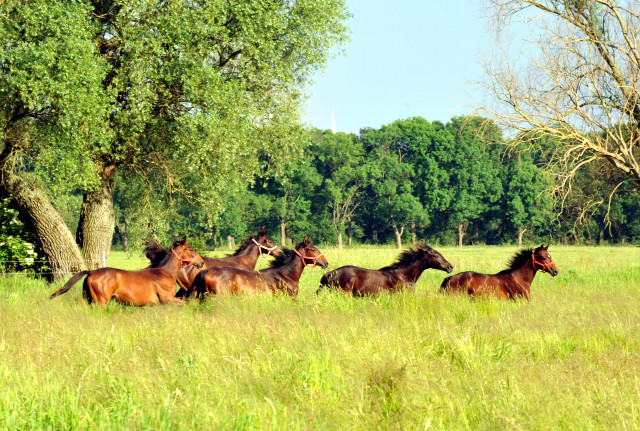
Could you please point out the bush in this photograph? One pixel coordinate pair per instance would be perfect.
(18, 249)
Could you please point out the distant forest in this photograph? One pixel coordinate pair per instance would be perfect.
(412, 180)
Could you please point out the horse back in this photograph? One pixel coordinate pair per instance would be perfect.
(476, 284)
(187, 276)
(361, 281)
(227, 280)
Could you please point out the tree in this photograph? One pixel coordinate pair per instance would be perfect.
(195, 94)
(582, 86)
(340, 159)
(291, 193)
(527, 202)
(393, 193)
(473, 171)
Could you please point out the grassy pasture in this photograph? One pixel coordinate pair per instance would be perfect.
(569, 359)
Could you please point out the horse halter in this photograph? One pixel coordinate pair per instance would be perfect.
(260, 247)
(315, 259)
(534, 262)
(183, 262)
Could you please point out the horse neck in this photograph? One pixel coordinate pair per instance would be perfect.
(172, 264)
(525, 271)
(293, 269)
(413, 270)
(249, 255)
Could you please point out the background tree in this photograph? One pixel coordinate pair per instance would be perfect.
(580, 85)
(197, 92)
(473, 171)
(392, 193)
(526, 203)
(340, 159)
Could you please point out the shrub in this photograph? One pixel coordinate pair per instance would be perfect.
(18, 245)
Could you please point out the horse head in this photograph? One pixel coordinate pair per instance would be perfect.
(265, 244)
(435, 259)
(309, 252)
(187, 255)
(541, 259)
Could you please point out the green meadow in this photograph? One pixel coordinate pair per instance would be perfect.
(418, 360)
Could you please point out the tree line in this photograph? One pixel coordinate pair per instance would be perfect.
(411, 180)
(173, 117)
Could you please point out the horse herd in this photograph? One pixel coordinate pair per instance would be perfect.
(234, 274)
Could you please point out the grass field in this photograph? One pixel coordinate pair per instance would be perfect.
(569, 359)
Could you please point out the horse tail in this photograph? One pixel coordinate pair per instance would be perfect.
(445, 284)
(193, 289)
(69, 284)
(324, 282)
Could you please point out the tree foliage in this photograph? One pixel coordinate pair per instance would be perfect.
(580, 84)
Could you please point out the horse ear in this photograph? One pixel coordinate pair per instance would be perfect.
(306, 240)
(263, 231)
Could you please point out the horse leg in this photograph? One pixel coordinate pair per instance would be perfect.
(168, 299)
(86, 293)
(99, 291)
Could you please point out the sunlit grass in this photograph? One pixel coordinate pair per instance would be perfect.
(415, 360)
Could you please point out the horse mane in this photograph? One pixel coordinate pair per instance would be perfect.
(157, 254)
(406, 257)
(246, 243)
(518, 259)
(283, 259)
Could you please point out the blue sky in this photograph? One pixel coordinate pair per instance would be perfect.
(405, 58)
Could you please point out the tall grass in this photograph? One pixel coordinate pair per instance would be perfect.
(416, 360)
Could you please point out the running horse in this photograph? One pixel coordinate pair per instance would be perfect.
(514, 282)
(283, 274)
(403, 273)
(153, 285)
(245, 257)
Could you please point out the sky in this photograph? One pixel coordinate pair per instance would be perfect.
(405, 58)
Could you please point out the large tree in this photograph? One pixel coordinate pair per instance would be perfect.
(579, 82)
(195, 94)
(340, 159)
(474, 183)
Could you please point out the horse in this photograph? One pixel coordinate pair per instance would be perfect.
(153, 285)
(403, 273)
(511, 283)
(283, 274)
(245, 257)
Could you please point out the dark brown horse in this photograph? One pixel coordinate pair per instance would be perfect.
(512, 283)
(282, 275)
(403, 273)
(153, 285)
(245, 257)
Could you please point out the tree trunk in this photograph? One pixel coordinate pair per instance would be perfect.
(122, 234)
(520, 235)
(398, 233)
(414, 234)
(339, 239)
(283, 233)
(231, 242)
(460, 234)
(57, 240)
(349, 234)
(601, 235)
(97, 220)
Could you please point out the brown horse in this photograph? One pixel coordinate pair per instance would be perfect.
(403, 273)
(245, 257)
(514, 282)
(153, 285)
(282, 275)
